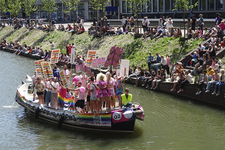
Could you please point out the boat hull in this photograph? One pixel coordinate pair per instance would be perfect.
(87, 121)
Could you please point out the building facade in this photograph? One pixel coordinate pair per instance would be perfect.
(152, 9)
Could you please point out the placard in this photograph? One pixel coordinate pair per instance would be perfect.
(39, 72)
(78, 68)
(124, 67)
(91, 54)
(89, 62)
(63, 78)
(38, 63)
(47, 70)
(38, 67)
(55, 56)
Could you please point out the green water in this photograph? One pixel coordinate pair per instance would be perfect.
(170, 122)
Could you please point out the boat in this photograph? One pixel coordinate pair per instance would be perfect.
(116, 120)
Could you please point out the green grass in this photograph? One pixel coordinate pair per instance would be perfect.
(134, 50)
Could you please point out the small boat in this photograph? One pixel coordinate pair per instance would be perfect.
(116, 120)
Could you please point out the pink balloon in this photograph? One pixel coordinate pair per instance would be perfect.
(82, 89)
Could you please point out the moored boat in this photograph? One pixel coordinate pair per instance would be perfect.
(116, 120)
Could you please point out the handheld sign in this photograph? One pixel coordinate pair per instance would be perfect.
(55, 56)
(47, 70)
(63, 78)
(91, 54)
(38, 67)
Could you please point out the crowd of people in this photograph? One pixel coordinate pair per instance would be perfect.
(94, 92)
(29, 23)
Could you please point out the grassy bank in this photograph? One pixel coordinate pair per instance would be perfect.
(134, 50)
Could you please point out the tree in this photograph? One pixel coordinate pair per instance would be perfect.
(184, 5)
(3, 8)
(49, 6)
(100, 4)
(135, 6)
(30, 7)
(14, 7)
(71, 5)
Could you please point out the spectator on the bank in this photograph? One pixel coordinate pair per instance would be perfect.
(145, 24)
(159, 77)
(149, 80)
(219, 84)
(124, 22)
(135, 72)
(193, 22)
(158, 58)
(164, 32)
(215, 79)
(219, 19)
(222, 26)
(165, 65)
(177, 32)
(201, 22)
(169, 24)
(181, 79)
(141, 77)
(160, 22)
(187, 80)
(217, 16)
(150, 59)
(202, 82)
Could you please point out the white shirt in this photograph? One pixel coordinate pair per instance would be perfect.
(55, 85)
(163, 62)
(123, 21)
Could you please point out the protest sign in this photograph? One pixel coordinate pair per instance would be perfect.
(89, 62)
(38, 68)
(39, 72)
(91, 54)
(114, 57)
(47, 70)
(124, 68)
(63, 78)
(94, 63)
(38, 63)
(78, 68)
(55, 56)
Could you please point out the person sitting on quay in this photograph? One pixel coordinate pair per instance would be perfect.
(187, 80)
(214, 80)
(159, 77)
(219, 84)
(203, 81)
(149, 80)
(126, 99)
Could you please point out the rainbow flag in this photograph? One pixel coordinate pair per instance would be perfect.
(68, 101)
(95, 119)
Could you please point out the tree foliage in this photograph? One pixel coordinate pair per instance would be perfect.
(3, 8)
(49, 6)
(71, 5)
(99, 4)
(30, 7)
(14, 7)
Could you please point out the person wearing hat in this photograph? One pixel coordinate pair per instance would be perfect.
(222, 26)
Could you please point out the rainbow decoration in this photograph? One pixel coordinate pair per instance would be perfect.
(19, 97)
(95, 119)
(69, 101)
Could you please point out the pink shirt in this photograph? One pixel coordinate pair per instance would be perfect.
(62, 92)
(83, 80)
(222, 26)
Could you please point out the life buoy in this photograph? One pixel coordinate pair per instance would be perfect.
(36, 114)
(60, 121)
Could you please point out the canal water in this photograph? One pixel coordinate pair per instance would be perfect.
(170, 122)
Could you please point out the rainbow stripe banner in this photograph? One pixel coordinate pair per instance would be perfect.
(91, 54)
(95, 119)
(68, 101)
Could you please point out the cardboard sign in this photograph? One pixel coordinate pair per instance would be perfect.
(124, 67)
(94, 63)
(103, 61)
(114, 57)
(63, 78)
(78, 68)
(91, 54)
(47, 70)
(38, 63)
(39, 72)
(55, 56)
(38, 67)
(89, 62)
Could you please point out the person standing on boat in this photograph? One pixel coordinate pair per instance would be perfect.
(81, 97)
(103, 93)
(119, 90)
(40, 90)
(48, 95)
(93, 92)
(55, 89)
(110, 86)
(126, 99)
(55, 71)
(67, 74)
